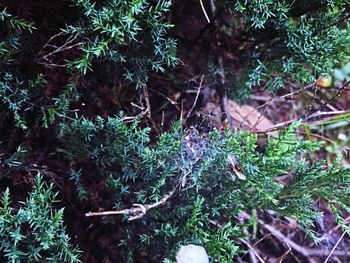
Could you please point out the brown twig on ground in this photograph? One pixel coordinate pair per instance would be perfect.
(148, 107)
(296, 92)
(284, 124)
(320, 100)
(344, 87)
(340, 90)
(146, 97)
(307, 252)
(195, 100)
(164, 96)
(304, 117)
(335, 246)
(136, 211)
(281, 258)
(252, 249)
(346, 221)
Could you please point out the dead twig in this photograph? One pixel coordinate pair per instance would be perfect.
(320, 100)
(281, 258)
(195, 100)
(276, 99)
(203, 9)
(304, 117)
(148, 107)
(344, 87)
(164, 96)
(45, 59)
(136, 211)
(335, 246)
(282, 125)
(346, 221)
(146, 97)
(307, 252)
(252, 249)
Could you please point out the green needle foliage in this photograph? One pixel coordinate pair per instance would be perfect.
(206, 195)
(14, 28)
(132, 34)
(46, 76)
(287, 40)
(129, 38)
(35, 232)
(123, 41)
(13, 93)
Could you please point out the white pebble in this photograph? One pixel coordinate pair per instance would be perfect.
(192, 254)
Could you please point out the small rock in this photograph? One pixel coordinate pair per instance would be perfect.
(192, 254)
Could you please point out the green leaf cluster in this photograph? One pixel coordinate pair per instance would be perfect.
(13, 91)
(279, 41)
(288, 41)
(132, 34)
(13, 28)
(207, 195)
(35, 232)
(128, 37)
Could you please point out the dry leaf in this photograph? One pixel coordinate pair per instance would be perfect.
(246, 117)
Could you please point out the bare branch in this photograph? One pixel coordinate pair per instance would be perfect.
(137, 211)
